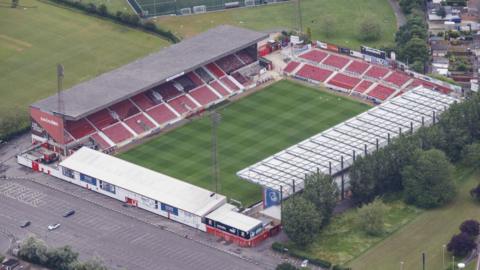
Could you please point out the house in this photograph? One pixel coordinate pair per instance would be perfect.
(439, 47)
(9, 264)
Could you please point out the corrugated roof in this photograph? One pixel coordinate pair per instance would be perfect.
(152, 70)
(325, 151)
(143, 181)
(226, 215)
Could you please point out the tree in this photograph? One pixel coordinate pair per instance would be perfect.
(371, 217)
(33, 250)
(471, 155)
(363, 181)
(300, 221)
(285, 266)
(428, 180)
(461, 244)
(441, 12)
(322, 191)
(61, 258)
(370, 30)
(93, 264)
(470, 227)
(309, 34)
(475, 192)
(328, 23)
(102, 10)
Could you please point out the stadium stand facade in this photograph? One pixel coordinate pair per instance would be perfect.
(333, 151)
(145, 96)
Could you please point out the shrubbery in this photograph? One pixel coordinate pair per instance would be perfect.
(470, 227)
(36, 251)
(371, 217)
(461, 244)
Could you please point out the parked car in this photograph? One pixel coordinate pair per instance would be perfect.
(25, 224)
(52, 227)
(69, 213)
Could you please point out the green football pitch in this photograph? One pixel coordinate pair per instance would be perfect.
(251, 129)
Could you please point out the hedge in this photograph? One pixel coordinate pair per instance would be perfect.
(339, 267)
(279, 247)
(131, 20)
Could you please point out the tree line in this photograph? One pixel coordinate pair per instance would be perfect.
(132, 20)
(36, 251)
(412, 38)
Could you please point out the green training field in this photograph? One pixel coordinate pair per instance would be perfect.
(345, 17)
(251, 129)
(35, 39)
(426, 233)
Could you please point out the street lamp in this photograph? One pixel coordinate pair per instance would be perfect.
(443, 255)
(401, 265)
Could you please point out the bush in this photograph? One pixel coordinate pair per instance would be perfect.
(286, 266)
(370, 30)
(475, 192)
(461, 244)
(279, 247)
(33, 250)
(470, 227)
(371, 217)
(471, 155)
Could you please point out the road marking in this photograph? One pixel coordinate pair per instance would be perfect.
(22, 194)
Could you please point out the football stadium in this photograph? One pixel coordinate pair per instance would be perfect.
(152, 8)
(146, 133)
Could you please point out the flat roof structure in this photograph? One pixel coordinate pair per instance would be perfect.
(333, 150)
(142, 181)
(143, 74)
(227, 215)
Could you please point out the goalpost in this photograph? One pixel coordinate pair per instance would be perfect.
(249, 3)
(199, 9)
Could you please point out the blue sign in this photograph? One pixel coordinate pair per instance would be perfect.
(170, 209)
(88, 179)
(271, 197)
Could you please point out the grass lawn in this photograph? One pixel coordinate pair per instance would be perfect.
(347, 16)
(342, 240)
(251, 129)
(35, 39)
(426, 233)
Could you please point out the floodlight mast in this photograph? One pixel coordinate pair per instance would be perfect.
(61, 103)
(216, 118)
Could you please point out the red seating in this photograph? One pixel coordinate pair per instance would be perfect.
(291, 66)
(124, 109)
(204, 95)
(168, 91)
(139, 123)
(102, 144)
(314, 55)
(314, 73)
(240, 78)
(143, 101)
(336, 61)
(430, 85)
(363, 86)
(117, 133)
(79, 129)
(215, 70)
(381, 92)
(225, 80)
(101, 119)
(161, 114)
(229, 63)
(357, 67)
(182, 104)
(397, 78)
(219, 88)
(344, 81)
(246, 57)
(195, 78)
(377, 72)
